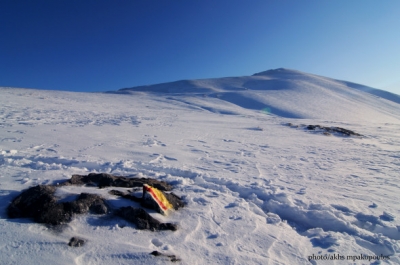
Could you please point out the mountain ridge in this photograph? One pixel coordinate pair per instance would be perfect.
(272, 74)
(283, 92)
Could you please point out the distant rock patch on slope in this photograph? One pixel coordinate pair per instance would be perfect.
(327, 130)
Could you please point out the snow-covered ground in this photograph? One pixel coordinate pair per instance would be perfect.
(258, 191)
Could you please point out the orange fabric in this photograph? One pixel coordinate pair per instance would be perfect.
(159, 197)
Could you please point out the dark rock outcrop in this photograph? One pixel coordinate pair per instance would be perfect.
(333, 129)
(31, 202)
(345, 131)
(143, 220)
(76, 242)
(87, 202)
(102, 180)
(175, 200)
(40, 204)
(172, 258)
(54, 214)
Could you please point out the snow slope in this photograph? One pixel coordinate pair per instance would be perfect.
(257, 190)
(288, 93)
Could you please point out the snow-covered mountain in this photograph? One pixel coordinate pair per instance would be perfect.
(260, 185)
(288, 93)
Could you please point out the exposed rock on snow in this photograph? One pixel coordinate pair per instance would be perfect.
(333, 129)
(31, 201)
(327, 130)
(175, 200)
(143, 220)
(76, 242)
(40, 204)
(172, 258)
(106, 180)
(88, 202)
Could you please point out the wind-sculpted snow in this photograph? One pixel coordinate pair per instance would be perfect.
(256, 191)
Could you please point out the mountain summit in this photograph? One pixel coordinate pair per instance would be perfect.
(286, 93)
(278, 71)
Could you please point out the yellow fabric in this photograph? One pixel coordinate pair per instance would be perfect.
(160, 197)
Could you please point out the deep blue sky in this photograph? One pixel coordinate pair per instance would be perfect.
(98, 45)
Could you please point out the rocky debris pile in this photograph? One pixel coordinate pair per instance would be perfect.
(103, 180)
(40, 203)
(143, 220)
(327, 130)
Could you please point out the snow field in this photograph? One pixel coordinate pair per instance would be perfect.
(257, 191)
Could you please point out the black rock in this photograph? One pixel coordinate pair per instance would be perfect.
(106, 180)
(175, 200)
(143, 220)
(98, 208)
(76, 242)
(40, 204)
(333, 129)
(55, 214)
(345, 131)
(31, 202)
(172, 258)
(312, 127)
(88, 202)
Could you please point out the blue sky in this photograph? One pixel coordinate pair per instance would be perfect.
(98, 45)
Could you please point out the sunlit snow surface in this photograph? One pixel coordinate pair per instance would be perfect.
(257, 191)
